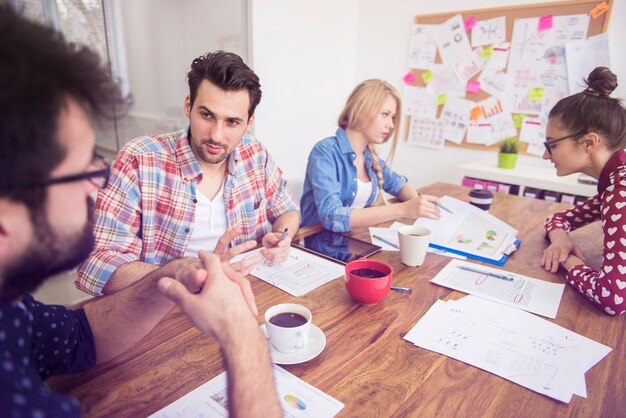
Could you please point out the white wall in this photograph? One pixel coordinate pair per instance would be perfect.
(309, 56)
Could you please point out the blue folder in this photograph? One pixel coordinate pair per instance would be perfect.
(499, 262)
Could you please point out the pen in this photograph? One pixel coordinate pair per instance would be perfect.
(282, 236)
(401, 289)
(487, 273)
(391, 244)
(440, 206)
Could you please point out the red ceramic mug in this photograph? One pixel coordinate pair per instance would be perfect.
(368, 281)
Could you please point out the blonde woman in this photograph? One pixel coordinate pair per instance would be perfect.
(345, 177)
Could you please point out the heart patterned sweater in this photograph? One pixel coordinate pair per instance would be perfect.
(605, 288)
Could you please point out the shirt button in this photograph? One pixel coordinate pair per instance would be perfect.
(355, 179)
(195, 200)
(352, 193)
(186, 230)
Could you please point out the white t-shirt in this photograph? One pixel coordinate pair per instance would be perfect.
(210, 223)
(363, 193)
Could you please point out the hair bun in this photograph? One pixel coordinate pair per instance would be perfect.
(601, 82)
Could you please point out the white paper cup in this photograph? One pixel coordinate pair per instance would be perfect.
(288, 338)
(414, 242)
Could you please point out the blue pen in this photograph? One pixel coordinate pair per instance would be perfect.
(487, 273)
(391, 244)
(440, 206)
(401, 289)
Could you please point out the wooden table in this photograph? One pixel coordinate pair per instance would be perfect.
(366, 364)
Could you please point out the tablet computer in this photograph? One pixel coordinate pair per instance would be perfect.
(336, 246)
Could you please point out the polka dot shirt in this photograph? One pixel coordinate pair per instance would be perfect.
(605, 287)
(37, 341)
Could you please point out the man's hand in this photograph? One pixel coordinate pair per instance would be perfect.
(226, 254)
(275, 250)
(223, 303)
(194, 275)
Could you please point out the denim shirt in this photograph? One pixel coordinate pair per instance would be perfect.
(331, 183)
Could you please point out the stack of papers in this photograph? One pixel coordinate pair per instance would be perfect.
(297, 398)
(510, 343)
(470, 231)
(521, 292)
(298, 275)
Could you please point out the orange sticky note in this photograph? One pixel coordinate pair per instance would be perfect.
(599, 10)
(476, 113)
(545, 22)
(427, 76)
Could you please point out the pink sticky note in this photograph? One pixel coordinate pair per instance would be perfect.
(409, 78)
(473, 86)
(470, 23)
(545, 22)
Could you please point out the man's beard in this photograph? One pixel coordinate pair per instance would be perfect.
(48, 253)
(211, 158)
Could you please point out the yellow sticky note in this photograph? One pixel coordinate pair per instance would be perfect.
(441, 99)
(427, 76)
(518, 119)
(536, 94)
(487, 52)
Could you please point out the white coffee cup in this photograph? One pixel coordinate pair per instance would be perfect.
(288, 326)
(413, 244)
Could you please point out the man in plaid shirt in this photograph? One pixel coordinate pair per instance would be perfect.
(208, 187)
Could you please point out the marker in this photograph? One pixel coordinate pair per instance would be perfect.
(401, 289)
(488, 273)
(391, 244)
(282, 236)
(440, 206)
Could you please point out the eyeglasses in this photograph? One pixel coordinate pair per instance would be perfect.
(98, 177)
(551, 144)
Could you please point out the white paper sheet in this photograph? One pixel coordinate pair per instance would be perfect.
(445, 81)
(417, 101)
(495, 82)
(500, 56)
(479, 132)
(527, 293)
(489, 31)
(423, 48)
(455, 118)
(452, 41)
(301, 273)
(583, 56)
(297, 398)
(470, 230)
(426, 132)
(534, 132)
(510, 343)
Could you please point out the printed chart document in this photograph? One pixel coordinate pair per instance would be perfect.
(510, 343)
(299, 274)
(523, 292)
(470, 231)
(297, 398)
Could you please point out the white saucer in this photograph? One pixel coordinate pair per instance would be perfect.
(317, 342)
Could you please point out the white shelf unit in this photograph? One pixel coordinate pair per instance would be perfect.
(524, 176)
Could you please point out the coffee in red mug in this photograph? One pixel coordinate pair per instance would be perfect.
(368, 281)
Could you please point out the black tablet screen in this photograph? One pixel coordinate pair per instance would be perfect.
(336, 246)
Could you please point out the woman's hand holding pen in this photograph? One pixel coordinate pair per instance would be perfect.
(276, 246)
(423, 206)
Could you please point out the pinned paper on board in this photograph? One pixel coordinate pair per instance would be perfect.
(418, 102)
(489, 31)
(423, 48)
(455, 118)
(426, 132)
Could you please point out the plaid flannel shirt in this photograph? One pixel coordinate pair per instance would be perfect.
(146, 211)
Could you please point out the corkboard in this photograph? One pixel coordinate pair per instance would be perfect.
(596, 26)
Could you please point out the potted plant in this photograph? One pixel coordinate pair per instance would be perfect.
(507, 157)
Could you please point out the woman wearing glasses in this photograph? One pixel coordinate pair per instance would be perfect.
(586, 133)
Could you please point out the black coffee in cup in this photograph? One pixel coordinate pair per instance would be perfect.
(288, 320)
(367, 273)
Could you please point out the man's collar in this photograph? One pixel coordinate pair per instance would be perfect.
(186, 159)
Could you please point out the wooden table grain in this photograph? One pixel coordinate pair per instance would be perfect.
(366, 364)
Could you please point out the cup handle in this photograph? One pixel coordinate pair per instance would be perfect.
(301, 342)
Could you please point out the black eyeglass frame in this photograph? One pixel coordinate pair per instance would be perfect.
(549, 144)
(90, 175)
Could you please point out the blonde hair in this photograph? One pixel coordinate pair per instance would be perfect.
(360, 110)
